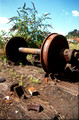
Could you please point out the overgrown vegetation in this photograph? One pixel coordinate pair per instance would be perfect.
(29, 25)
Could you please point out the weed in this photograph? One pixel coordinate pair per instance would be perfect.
(21, 77)
(30, 58)
(5, 61)
(21, 82)
(28, 76)
(21, 64)
(14, 74)
(33, 79)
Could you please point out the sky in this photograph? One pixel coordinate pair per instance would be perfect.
(64, 13)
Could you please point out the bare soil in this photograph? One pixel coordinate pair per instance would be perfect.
(58, 98)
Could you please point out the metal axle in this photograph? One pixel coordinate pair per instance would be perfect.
(30, 50)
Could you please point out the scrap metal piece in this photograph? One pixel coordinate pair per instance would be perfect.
(13, 85)
(9, 99)
(35, 107)
(19, 91)
(33, 91)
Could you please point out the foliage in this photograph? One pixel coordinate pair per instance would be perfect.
(30, 26)
(2, 40)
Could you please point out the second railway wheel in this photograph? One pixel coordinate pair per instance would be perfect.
(51, 60)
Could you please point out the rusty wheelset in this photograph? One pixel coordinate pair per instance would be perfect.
(54, 52)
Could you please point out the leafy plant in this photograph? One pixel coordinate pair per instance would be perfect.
(2, 40)
(21, 64)
(30, 26)
(5, 60)
(21, 82)
(30, 58)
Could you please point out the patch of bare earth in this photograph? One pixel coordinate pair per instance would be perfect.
(57, 102)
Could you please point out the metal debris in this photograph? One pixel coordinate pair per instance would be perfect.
(35, 107)
(33, 91)
(6, 97)
(9, 98)
(18, 90)
(13, 86)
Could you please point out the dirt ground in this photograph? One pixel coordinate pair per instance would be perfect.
(56, 102)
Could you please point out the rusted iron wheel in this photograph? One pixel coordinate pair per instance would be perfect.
(11, 49)
(51, 60)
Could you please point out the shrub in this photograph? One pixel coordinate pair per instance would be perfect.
(30, 26)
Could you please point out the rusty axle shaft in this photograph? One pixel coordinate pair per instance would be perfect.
(30, 50)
